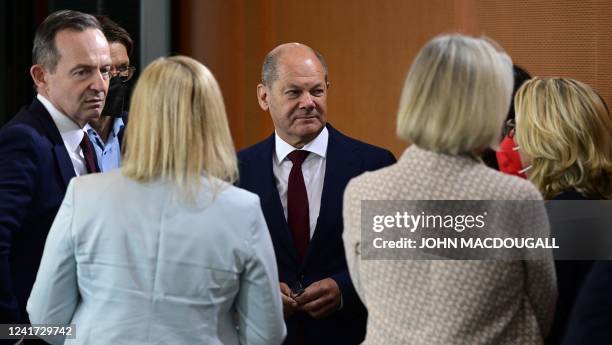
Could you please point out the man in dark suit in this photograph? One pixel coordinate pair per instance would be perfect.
(44, 146)
(300, 173)
(591, 317)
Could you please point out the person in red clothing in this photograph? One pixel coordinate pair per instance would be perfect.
(508, 156)
(506, 159)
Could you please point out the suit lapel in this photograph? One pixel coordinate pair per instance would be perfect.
(270, 200)
(64, 163)
(341, 165)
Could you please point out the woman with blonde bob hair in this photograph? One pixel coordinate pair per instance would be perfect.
(164, 250)
(189, 134)
(455, 99)
(565, 129)
(564, 134)
(456, 96)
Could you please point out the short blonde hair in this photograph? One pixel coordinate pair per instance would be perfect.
(178, 127)
(566, 129)
(456, 95)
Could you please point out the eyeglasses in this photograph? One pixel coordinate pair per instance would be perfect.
(124, 72)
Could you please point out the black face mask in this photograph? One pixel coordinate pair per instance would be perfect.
(115, 98)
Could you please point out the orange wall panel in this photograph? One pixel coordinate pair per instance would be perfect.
(369, 46)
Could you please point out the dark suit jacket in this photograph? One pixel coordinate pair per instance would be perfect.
(570, 273)
(591, 318)
(34, 172)
(346, 158)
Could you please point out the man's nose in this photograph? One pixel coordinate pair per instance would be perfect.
(100, 82)
(307, 101)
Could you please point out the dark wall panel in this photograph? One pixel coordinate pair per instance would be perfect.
(20, 20)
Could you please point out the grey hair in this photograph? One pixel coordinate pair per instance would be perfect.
(44, 51)
(454, 82)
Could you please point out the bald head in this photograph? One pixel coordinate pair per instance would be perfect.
(288, 53)
(294, 91)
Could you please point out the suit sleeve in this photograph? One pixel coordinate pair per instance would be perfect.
(55, 293)
(389, 159)
(382, 159)
(347, 289)
(19, 159)
(259, 302)
(591, 318)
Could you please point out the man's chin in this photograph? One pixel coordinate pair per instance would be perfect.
(312, 128)
(94, 116)
(91, 116)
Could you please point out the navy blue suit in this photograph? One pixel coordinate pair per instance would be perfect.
(591, 318)
(34, 172)
(324, 258)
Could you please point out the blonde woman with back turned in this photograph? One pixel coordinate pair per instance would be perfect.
(166, 250)
(453, 106)
(564, 130)
(564, 133)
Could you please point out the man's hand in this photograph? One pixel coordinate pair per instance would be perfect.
(290, 306)
(320, 299)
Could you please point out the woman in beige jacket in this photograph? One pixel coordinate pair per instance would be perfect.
(453, 105)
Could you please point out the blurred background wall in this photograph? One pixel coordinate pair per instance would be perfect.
(369, 46)
(147, 21)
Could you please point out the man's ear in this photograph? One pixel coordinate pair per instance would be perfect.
(262, 97)
(39, 76)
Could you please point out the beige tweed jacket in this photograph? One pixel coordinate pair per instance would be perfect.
(442, 302)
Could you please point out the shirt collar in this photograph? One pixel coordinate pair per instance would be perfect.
(117, 126)
(71, 133)
(317, 146)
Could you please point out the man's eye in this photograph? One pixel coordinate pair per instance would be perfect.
(292, 93)
(318, 92)
(105, 72)
(80, 73)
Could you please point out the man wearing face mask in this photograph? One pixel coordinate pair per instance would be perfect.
(44, 146)
(506, 159)
(106, 132)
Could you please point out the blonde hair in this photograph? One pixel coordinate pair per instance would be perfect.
(456, 95)
(565, 127)
(178, 127)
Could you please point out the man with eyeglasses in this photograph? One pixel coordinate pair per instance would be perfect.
(106, 132)
(44, 146)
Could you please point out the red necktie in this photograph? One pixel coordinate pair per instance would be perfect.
(90, 161)
(297, 203)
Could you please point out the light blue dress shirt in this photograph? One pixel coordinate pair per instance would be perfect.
(109, 154)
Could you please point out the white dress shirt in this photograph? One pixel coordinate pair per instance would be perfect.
(71, 134)
(313, 170)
